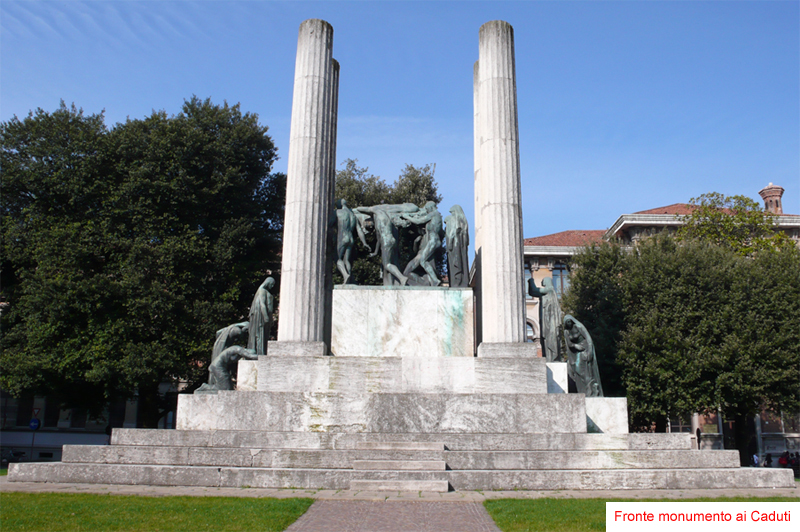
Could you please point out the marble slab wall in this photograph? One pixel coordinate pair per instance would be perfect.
(399, 321)
(383, 412)
(402, 375)
(557, 381)
(608, 415)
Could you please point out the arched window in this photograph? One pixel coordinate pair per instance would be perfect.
(530, 332)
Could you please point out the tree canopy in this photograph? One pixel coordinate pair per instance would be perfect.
(360, 188)
(692, 326)
(125, 249)
(738, 223)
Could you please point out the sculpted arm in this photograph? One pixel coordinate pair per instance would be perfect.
(419, 218)
(360, 230)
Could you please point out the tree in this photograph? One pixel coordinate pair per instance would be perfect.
(735, 222)
(125, 250)
(676, 317)
(360, 188)
(694, 327)
(595, 299)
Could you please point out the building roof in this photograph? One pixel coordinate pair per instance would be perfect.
(675, 208)
(567, 238)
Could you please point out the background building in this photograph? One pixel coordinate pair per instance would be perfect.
(549, 256)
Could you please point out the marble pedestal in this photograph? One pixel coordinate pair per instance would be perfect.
(374, 321)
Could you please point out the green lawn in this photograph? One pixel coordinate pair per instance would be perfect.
(86, 512)
(3, 471)
(570, 515)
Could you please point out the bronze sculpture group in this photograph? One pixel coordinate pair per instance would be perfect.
(581, 360)
(386, 221)
(227, 352)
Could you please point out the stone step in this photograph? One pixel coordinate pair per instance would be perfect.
(400, 446)
(164, 475)
(634, 479)
(390, 454)
(455, 442)
(623, 479)
(345, 459)
(208, 456)
(234, 457)
(400, 465)
(588, 460)
(440, 486)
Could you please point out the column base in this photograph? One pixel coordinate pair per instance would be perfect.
(297, 349)
(508, 349)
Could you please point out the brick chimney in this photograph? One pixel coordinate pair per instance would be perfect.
(771, 194)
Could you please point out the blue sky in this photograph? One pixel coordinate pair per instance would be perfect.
(623, 106)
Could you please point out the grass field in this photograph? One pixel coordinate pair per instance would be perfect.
(569, 515)
(86, 512)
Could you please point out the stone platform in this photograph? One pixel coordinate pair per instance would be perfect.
(410, 461)
(388, 413)
(424, 421)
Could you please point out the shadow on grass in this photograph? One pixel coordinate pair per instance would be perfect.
(71, 511)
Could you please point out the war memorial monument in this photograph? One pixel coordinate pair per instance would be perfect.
(382, 387)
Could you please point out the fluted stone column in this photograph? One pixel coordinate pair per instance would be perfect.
(308, 192)
(502, 272)
(476, 263)
(332, 222)
(477, 154)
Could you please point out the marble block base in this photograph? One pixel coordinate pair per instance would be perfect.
(508, 350)
(402, 375)
(557, 381)
(247, 376)
(297, 349)
(608, 415)
(400, 321)
(453, 413)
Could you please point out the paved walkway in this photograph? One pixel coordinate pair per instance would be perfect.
(394, 516)
(378, 511)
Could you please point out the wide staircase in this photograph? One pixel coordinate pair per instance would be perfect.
(400, 461)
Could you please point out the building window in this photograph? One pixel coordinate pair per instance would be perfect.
(52, 411)
(770, 422)
(24, 411)
(560, 279)
(791, 423)
(679, 425)
(79, 416)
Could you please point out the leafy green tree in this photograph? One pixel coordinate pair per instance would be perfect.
(124, 250)
(360, 188)
(677, 316)
(694, 327)
(595, 298)
(735, 222)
